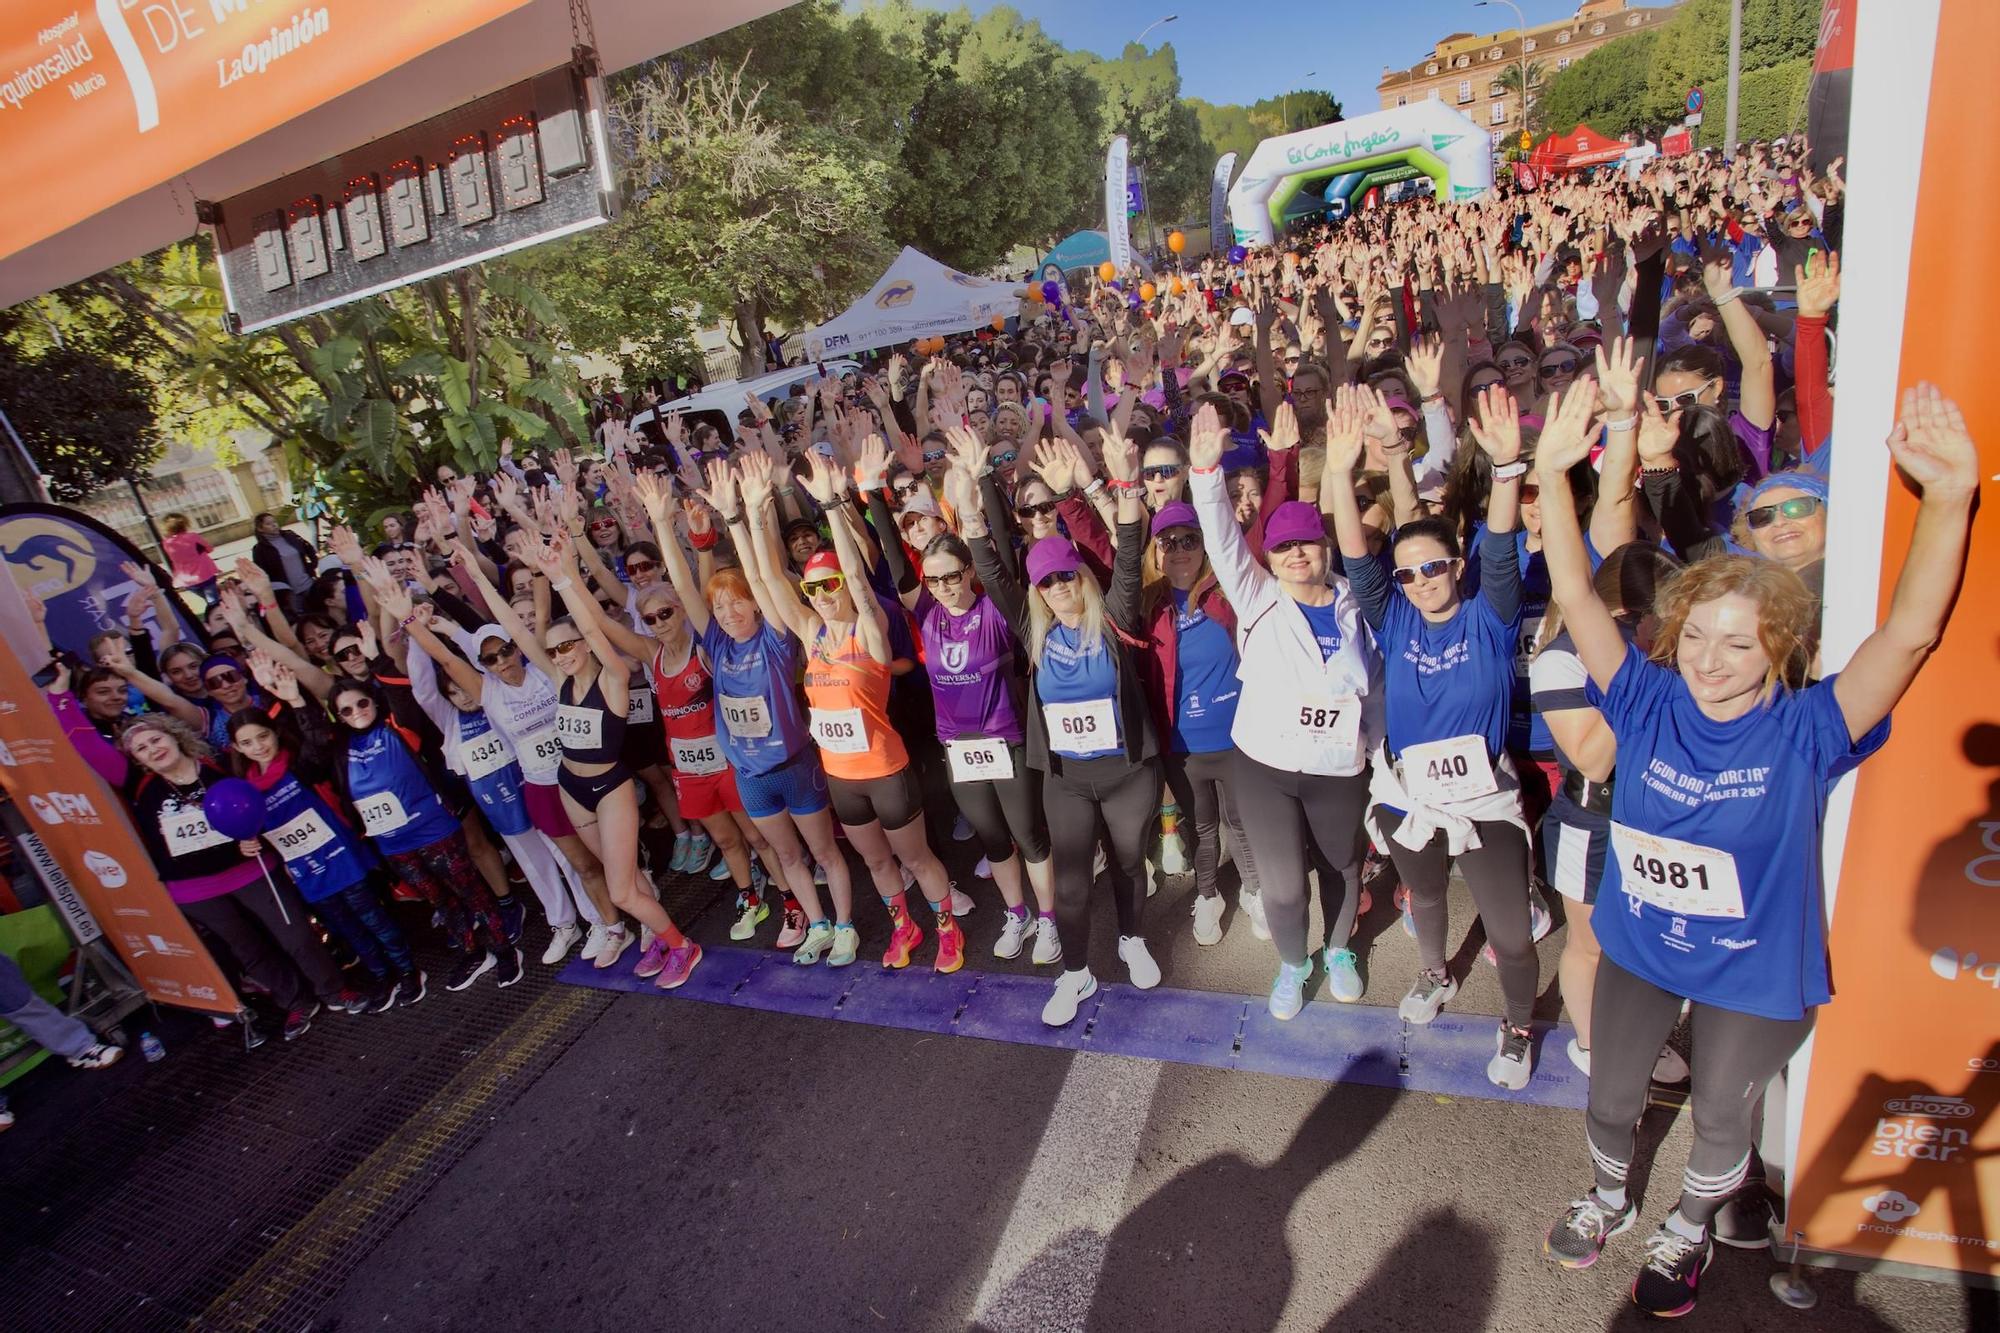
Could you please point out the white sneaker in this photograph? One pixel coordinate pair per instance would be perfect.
(1580, 1057)
(560, 943)
(645, 937)
(1153, 876)
(819, 874)
(617, 939)
(1048, 944)
(984, 870)
(1138, 961)
(1208, 920)
(960, 830)
(594, 942)
(961, 902)
(1513, 1059)
(1072, 989)
(1014, 929)
(1670, 1067)
(1253, 907)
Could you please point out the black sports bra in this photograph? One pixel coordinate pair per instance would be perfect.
(590, 732)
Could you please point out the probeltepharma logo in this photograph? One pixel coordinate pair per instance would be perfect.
(1951, 965)
(1892, 1206)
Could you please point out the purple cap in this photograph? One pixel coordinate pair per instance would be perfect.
(1293, 521)
(1179, 514)
(1051, 555)
(1398, 403)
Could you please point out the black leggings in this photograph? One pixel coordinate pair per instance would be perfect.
(1497, 873)
(1083, 796)
(1006, 814)
(267, 928)
(1735, 1056)
(1196, 780)
(1279, 810)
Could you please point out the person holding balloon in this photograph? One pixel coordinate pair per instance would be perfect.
(192, 817)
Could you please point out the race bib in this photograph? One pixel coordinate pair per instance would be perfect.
(487, 754)
(1684, 878)
(1083, 727)
(381, 813)
(639, 706)
(1439, 772)
(840, 730)
(747, 717)
(186, 830)
(1332, 726)
(700, 757)
(1524, 647)
(979, 759)
(541, 750)
(579, 728)
(305, 834)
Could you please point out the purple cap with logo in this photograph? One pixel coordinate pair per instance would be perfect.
(1051, 555)
(1179, 514)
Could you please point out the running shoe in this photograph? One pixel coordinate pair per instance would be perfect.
(1252, 905)
(682, 841)
(350, 1001)
(510, 970)
(960, 830)
(470, 968)
(1427, 995)
(1288, 992)
(561, 941)
(1208, 919)
(680, 963)
(1014, 930)
(1577, 1240)
(720, 870)
(617, 939)
(819, 874)
(1747, 1218)
(1343, 975)
(846, 945)
(903, 942)
(1578, 1056)
(701, 848)
(1513, 1058)
(1072, 989)
(101, 1056)
(385, 995)
(412, 988)
(651, 960)
(793, 932)
(961, 902)
(594, 942)
(1671, 1280)
(1048, 944)
(646, 937)
(299, 1021)
(1375, 866)
(984, 870)
(951, 946)
(6, 1115)
(1145, 973)
(514, 916)
(813, 943)
(1539, 924)
(753, 916)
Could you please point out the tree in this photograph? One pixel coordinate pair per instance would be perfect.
(1605, 90)
(1142, 101)
(1239, 129)
(1528, 94)
(86, 420)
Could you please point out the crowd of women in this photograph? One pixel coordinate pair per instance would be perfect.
(1370, 557)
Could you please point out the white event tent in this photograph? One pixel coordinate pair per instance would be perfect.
(916, 298)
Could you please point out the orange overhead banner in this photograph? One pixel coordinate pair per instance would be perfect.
(99, 101)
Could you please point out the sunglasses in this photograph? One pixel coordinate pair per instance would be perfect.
(832, 583)
(496, 658)
(1292, 360)
(1429, 569)
(951, 580)
(1042, 510)
(1004, 457)
(1179, 543)
(352, 650)
(662, 616)
(362, 709)
(908, 489)
(640, 566)
(224, 678)
(1530, 494)
(557, 649)
(1284, 548)
(1680, 400)
(604, 525)
(1161, 471)
(1060, 576)
(934, 455)
(1799, 506)
(1514, 363)
(1566, 366)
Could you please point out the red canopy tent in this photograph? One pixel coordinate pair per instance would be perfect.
(1581, 147)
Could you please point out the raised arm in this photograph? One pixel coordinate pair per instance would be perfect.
(1564, 443)
(530, 643)
(657, 494)
(397, 603)
(1246, 583)
(1346, 422)
(253, 636)
(1933, 450)
(1758, 394)
(748, 516)
(1614, 519)
(1122, 598)
(613, 676)
(828, 486)
(118, 656)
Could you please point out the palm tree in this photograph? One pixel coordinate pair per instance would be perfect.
(1510, 82)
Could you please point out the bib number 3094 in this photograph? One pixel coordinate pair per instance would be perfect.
(1684, 878)
(1458, 769)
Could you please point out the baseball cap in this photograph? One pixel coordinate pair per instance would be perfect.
(1179, 514)
(1051, 555)
(1293, 521)
(821, 564)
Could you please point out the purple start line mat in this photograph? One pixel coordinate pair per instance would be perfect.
(1327, 1042)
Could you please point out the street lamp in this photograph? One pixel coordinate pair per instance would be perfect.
(1140, 40)
(1287, 109)
(1521, 37)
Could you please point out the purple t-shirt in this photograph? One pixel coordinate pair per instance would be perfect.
(970, 659)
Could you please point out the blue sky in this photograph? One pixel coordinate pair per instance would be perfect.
(1243, 50)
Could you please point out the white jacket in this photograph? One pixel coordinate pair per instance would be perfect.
(1280, 663)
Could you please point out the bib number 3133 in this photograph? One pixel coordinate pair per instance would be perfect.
(1438, 772)
(1684, 878)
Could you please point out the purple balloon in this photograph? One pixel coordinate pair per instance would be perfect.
(1237, 254)
(1052, 292)
(234, 809)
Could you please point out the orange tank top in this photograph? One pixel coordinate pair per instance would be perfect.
(848, 693)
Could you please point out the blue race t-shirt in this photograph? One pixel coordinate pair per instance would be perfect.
(1205, 681)
(486, 757)
(1752, 793)
(1325, 623)
(1068, 676)
(321, 853)
(398, 806)
(1454, 678)
(757, 696)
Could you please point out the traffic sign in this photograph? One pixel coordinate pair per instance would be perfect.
(1527, 140)
(1694, 101)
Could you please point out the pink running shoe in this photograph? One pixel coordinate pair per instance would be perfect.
(651, 961)
(679, 965)
(903, 943)
(794, 932)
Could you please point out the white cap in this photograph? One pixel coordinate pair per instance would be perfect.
(1242, 315)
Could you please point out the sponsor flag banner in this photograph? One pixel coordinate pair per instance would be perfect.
(101, 101)
(72, 562)
(79, 831)
(1116, 227)
(1218, 202)
(1895, 1115)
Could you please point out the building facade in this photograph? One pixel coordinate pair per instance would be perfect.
(1465, 70)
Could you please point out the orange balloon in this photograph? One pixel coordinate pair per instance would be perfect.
(1147, 291)
(1177, 286)
(1033, 295)
(1107, 270)
(999, 322)
(1176, 242)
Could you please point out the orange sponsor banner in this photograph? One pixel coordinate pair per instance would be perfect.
(101, 99)
(81, 823)
(1898, 1148)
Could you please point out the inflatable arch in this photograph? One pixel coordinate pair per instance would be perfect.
(1424, 139)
